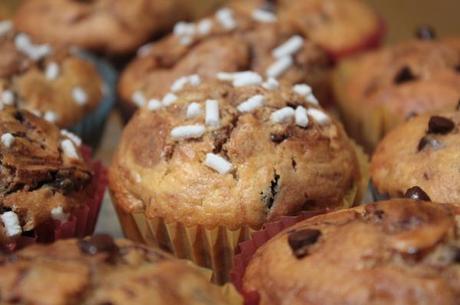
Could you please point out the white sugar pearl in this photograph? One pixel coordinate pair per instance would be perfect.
(282, 115)
(68, 148)
(52, 71)
(319, 116)
(302, 89)
(138, 98)
(270, 84)
(7, 97)
(252, 103)
(11, 222)
(263, 16)
(225, 18)
(290, 47)
(279, 67)
(247, 78)
(301, 117)
(169, 99)
(73, 137)
(58, 213)
(204, 27)
(218, 163)
(154, 104)
(212, 113)
(187, 132)
(193, 110)
(7, 139)
(79, 96)
(179, 84)
(50, 116)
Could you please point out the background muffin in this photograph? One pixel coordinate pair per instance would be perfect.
(377, 91)
(99, 270)
(109, 26)
(49, 187)
(245, 36)
(224, 158)
(422, 152)
(392, 252)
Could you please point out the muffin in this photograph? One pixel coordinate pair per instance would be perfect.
(422, 152)
(7, 8)
(340, 27)
(52, 81)
(115, 27)
(99, 270)
(377, 91)
(238, 38)
(50, 188)
(393, 252)
(198, 171)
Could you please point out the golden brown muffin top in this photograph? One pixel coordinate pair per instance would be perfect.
(421, 152)
(109, 26)
(398, 252)
(99, 270)
(390, 85)
(225, 153)
(243, 36)
(42, 174)
(45, 79)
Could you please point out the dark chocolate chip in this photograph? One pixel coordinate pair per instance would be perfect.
(98, 244)
(278, 138)
(428, 141)
(300, 240)
(440, 125)
(425, 32)
(416, 193)
(405, 75)
(457, 255)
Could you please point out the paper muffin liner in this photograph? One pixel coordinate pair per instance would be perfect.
(248, 248)
(91, 127)
(81, 222)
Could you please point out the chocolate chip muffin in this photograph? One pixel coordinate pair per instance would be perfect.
(48, 80)
(111, 26)
(377, 91)
(243, 36)
(422, 152)
(200, 169)
(48, 185)
(340, 27)
(393, 252)
(99, 270)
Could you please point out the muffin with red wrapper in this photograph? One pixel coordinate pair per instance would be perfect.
(198, 171)
(377, 91)
(116, 27)
(50, 188)
(423, 153)
(392, 252)
(243, 36)
(100, 270)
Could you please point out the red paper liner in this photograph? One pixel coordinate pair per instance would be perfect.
(81, 222)
(372, 41)
(246, 250)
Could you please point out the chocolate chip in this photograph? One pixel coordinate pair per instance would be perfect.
(425, 32)
(458, 105)
(97, 244)
(428, 141)
(299, 241)
(404, 76)
(440, 125)
(278, 138)
(416, 193)
(457, 255)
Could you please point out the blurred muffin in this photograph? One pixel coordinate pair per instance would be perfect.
(422, 152)
(196, 172)
(377, 91)
(7, 8)
(393, 252)
(110, 26)
(48, 188)
(99, 270)
(340, 27)
(242, 37)
(47, 80)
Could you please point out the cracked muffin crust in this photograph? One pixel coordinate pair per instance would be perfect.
(422, 152)
(43, 176)
(99, 270)
(238, 38)
(393, 252)
(377, 91)
(228, 154)
(47, 80)
(111, 26)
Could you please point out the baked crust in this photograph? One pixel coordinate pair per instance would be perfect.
(394, 252)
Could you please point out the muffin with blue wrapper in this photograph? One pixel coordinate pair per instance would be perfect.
(54, 82)
(199, 170)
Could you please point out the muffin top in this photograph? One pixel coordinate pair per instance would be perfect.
(244, 36)
(109, 26)
(99, 270)
(421, 152)
(233, 152)
(43, 174)
(339, 27)
(47, 80)
(397, 82)
(393, 252)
